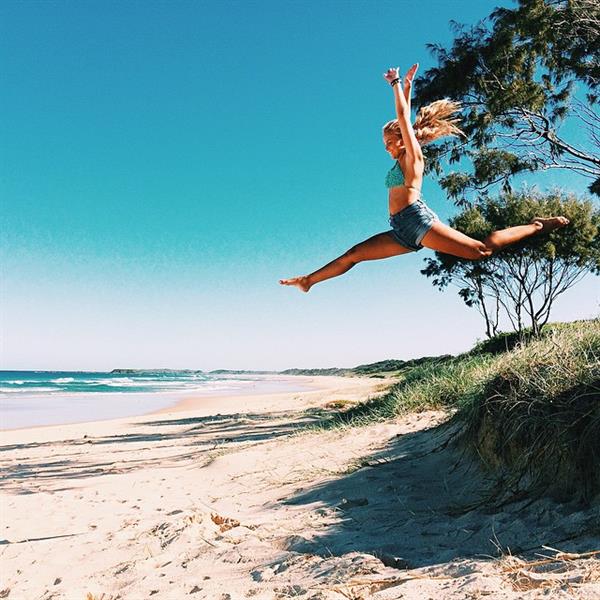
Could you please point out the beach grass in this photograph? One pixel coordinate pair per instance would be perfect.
(528, 407)
(538, 416)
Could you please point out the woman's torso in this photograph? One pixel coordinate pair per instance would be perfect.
(402, 190)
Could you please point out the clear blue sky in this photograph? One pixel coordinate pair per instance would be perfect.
(165, 163)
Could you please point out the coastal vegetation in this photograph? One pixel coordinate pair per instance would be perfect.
(378, 369)
(528, 408)
(519, 285)
(528, 80)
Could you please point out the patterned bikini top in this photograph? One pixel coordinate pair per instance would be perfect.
(394, 177)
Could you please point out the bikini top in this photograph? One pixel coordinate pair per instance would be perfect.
(395, 178)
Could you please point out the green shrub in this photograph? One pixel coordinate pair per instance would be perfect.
(532, 412)
(538, 417)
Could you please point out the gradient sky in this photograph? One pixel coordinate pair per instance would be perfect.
(165, 163)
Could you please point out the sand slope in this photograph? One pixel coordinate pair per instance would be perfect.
(240, 505)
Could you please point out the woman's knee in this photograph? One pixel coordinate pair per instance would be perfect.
(352, 255)
(479, 251)
(492, 242)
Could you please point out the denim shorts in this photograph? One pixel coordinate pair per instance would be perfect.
(410, 225)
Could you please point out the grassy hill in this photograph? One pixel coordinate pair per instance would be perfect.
(529, 410)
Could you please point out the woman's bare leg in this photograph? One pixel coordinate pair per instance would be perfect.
(382, 245)
(450, 241)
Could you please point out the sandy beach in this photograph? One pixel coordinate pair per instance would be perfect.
(228, 498)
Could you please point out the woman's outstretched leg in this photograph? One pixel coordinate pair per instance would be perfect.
(382, 245)
(450, 241)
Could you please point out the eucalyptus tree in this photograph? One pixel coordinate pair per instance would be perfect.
(528, 79)
(522, 282)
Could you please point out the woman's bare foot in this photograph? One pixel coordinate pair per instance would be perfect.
(550, 223)
(300, 282)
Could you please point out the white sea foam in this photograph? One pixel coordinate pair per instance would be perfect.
(113, 381)
(151, 383)
(23, 391)
(161, 384)
(22, 406)
(63, 380)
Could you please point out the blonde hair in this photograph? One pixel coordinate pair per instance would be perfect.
(433, 121)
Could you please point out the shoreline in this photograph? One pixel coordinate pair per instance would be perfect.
(205, 406)
(192, 402)
(186, 401)
(311, 384)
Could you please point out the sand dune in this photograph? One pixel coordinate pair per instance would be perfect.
(230, 499)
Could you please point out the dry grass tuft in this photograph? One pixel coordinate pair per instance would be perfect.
(360, 589)
(224, 523)
(563, 570)
(339, 405)
(350, 594)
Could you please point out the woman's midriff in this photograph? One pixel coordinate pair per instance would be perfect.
(400, 197)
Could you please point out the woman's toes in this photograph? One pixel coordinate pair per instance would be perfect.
(299, 282)
(550, 223)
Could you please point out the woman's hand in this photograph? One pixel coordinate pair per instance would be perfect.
(394, 73)
(391, 74)
(408, 79)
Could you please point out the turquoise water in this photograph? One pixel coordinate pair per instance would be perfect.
(32, 398)
(61, 382)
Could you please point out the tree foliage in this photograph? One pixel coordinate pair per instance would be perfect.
(520, 75)
(522, 281)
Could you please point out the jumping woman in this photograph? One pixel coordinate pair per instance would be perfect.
(414, 224)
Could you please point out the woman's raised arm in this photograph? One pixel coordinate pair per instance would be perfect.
(408, 79)
(411, 145)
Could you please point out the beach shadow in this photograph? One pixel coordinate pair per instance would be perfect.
(245, 426)
(420, 503)
(189, 439)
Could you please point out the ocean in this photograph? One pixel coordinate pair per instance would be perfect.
(33, 398)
